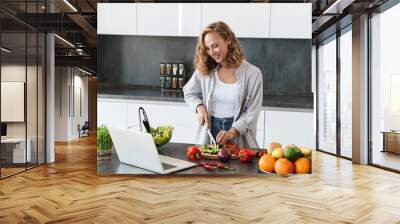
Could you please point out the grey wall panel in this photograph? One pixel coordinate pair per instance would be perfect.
(135, 60)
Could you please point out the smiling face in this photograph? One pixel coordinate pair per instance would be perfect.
(216, 46)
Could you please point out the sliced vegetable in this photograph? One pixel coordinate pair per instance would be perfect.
(193, 153)
(213, 166)
(208, 166)
(211, 149)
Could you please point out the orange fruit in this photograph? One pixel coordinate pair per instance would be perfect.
(283, 166)
(266, 163)
(302, 165)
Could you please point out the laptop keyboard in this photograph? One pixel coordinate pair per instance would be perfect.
(167, 166)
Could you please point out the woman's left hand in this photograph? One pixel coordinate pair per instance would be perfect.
(224, 137)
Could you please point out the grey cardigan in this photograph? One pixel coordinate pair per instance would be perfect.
(198, 91)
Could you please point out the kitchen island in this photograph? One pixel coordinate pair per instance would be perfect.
(119, 109)
(177, 150)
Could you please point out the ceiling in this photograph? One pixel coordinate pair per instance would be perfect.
(77, 22)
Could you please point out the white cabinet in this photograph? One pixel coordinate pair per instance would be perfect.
(190, 19)
(291, 20)
(245, 19)
(250, 20)
(116, 19)
(290, 127)
(157, 19)
(168, 19)
(286, 127)
(180, 116)
(112, 113)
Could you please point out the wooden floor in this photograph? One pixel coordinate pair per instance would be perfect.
(387, 159)
(70, 191)
(10, 171)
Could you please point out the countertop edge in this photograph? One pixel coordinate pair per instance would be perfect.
(181, 102)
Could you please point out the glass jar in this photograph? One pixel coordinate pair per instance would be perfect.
(162, 80)
(168, 68)
(181, 70)
(174, 69)
(167, 83)
(162, 68)
(181, 82)
(174, 83)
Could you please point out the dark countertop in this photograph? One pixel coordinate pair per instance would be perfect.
(155, 94)
(177, 150)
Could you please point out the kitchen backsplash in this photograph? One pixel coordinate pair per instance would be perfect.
(135, 61)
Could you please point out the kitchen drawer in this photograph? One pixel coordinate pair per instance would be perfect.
(176, 115)
(185, 134)
(112, 113)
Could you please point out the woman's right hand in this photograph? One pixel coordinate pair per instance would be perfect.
(202, 115)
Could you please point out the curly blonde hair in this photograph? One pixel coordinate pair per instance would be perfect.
(203, 62)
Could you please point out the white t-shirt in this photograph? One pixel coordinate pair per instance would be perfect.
(223, 98)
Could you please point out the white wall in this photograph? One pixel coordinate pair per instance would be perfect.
(15, 72)
(79, 117)
(70, 84)
(61, 103)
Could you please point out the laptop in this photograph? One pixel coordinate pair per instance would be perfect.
(138, 149)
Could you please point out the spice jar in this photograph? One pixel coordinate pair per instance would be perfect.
(174, 83)
(167, 83)
(162, 82)
(181, 82)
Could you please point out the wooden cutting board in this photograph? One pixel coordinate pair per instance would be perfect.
(214, 156)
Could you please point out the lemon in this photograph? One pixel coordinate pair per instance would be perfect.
(306, 151)
(278, 153)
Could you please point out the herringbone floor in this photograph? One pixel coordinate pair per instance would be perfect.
(70, 191)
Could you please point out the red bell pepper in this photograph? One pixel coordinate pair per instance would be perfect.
(247, 155)
(193, 153)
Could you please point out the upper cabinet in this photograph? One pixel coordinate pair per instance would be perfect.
(116, 19)
(292, 20)
(245, 19)
(191, 19)
(157, 19)
(168, 19)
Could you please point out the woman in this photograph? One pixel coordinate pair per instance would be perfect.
(225, 90)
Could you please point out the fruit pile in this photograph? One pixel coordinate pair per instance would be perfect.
(287, 160)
